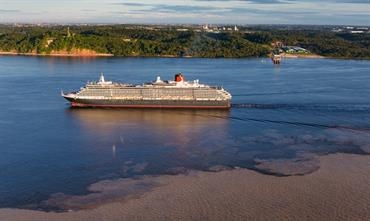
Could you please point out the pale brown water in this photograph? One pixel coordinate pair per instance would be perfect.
(339, 190)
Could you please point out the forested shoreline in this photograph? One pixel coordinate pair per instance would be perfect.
(175, 41)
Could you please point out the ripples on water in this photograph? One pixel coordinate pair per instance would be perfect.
(294, 112)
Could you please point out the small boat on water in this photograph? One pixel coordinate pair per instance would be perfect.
(276, 58)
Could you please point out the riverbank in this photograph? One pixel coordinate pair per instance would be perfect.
(90, 53)
(286, 55)
(74, 53)
(338, 190)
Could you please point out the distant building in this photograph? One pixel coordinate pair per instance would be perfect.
(337, 30)
(213, 29)
(294, 49)
(356, 32)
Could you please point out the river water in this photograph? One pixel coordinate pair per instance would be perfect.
(291, 112)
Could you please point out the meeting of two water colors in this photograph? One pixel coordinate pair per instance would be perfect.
(288, 113)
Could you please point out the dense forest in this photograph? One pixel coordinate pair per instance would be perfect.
(126, 40)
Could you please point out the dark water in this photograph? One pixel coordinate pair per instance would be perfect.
(303, 107)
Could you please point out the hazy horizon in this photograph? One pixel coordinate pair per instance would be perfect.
(240, 12)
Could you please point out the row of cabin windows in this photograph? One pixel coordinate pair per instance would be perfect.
(152, 93)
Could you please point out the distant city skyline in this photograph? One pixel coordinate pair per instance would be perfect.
(242, 12)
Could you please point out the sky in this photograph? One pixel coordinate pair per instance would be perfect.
(242, 12)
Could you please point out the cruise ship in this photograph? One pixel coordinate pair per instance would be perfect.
(176, 93)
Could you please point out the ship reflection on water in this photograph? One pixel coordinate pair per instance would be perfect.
(96, 118)
(154, 141)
